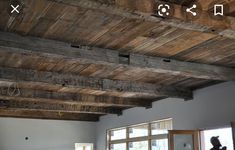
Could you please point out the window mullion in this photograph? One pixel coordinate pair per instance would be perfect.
(149, 137)
(127, 138)
(109, 139)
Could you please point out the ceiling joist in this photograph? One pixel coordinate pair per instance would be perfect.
(110, 58)
(10, 93)
(90, 84)
(55, 115)
(62, 107)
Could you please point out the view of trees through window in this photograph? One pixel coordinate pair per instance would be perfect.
(146, 136)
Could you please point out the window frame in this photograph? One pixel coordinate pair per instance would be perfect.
(148, 138)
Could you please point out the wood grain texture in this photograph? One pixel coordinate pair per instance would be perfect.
(107, 55)
(56, 115)
(88, 84)
(24, 94)
(83, 26)
(179, 21)
(62, 107)
(104, 58)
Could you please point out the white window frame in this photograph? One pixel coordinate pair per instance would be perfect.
(148, 138)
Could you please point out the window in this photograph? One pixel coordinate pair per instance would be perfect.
(83, 146)
(141, 145)
(137, 131)
(118, 146)
(225, 137)
(160, 144)
(118, 134)
(160, 127)
(144, 136)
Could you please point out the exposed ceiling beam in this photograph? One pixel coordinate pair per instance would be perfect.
(90, 84)
(204, 24)
(62, 107)
(56, 115)
(21, 94)
(111, 59)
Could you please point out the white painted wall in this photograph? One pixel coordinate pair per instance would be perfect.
(211, 107)
(44, 134)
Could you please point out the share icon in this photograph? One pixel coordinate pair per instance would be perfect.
(190, 10)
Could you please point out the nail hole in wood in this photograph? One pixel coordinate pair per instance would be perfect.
(167, 60)
(119, 89)
(124, 58)
(75, 46)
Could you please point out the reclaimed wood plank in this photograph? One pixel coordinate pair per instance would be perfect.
(110, 58)
(52, 79)
(56, 115)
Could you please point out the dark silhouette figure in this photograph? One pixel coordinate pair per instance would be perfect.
(216, 144)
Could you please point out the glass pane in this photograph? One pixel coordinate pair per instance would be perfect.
(161, 127)
(142, 145)
(118, 134)
(83, 146)
(161, 144)
(183, 142)
(121, 146)
(137, 131)
(225, 138)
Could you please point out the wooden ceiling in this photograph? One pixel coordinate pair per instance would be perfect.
(81, 59)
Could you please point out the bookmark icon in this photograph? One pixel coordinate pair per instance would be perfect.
(218, 10)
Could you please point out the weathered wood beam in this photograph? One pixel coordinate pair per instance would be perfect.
(204, 24)
(50, 49)
(12, 93)
(55, 115)
(88, 84)
(62, 107)
(231, 5)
